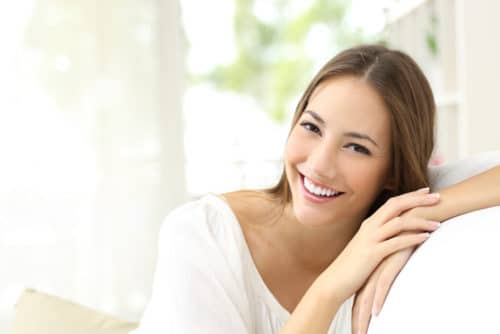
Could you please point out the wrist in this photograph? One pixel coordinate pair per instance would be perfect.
(329, 288)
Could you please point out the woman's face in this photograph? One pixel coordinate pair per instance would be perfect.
(337, 157)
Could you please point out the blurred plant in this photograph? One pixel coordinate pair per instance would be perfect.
(273, 63)
(431, 35)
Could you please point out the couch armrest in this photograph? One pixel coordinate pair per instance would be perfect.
(40, 313)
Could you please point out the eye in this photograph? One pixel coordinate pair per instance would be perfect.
(310, 127)
(358, 148)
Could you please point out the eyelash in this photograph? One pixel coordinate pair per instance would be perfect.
(310, 127)
(360, 149)
(313, 128)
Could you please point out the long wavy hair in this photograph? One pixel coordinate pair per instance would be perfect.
(408, 98)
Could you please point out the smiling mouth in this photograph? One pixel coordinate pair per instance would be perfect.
(318, 192)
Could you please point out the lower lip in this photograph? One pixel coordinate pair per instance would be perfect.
(314, 198)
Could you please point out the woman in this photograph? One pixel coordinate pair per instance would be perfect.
(290, 259)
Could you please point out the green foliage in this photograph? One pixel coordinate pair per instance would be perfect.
(431, 36)
(272, 64)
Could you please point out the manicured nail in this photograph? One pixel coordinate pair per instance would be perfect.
(423, 190)
(435, 224)
(434, 195)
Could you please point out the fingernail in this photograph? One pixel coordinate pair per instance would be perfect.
(435, 223)
(423, 190)
(374, 311)
(434, 195)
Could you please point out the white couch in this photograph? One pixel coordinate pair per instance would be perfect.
(451, 284)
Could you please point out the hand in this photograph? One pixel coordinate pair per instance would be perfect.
(371, 297)
(380, 235)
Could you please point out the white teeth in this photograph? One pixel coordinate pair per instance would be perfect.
(318, 190)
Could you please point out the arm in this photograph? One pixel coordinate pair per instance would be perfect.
(378, 237)
(315, 311)
(477, 192)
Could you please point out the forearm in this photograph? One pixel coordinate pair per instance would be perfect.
(478, 192)
(315, 311)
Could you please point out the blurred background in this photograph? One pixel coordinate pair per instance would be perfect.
(113, 112)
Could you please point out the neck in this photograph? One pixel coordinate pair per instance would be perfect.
(313, 248)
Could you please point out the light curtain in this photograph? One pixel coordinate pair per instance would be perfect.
(91, 148)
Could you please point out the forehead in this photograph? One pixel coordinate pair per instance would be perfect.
(351, 104)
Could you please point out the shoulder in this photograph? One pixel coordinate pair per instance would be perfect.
(200, 218)
(253, 209)
(207, 206)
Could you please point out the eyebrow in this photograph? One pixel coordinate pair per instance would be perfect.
(360, 136)
(352, 134)
(315, 116)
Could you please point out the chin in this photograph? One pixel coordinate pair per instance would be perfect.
(310, 217)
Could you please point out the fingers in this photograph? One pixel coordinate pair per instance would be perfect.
(397, 205)
(400, 224)
(361, 313)
(400, 242)
(392, 268)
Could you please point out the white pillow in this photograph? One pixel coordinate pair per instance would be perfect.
(451, 283)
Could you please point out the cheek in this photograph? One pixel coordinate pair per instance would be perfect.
(295, 148)
(365, 177)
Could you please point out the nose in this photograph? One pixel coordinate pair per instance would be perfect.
(322, 162)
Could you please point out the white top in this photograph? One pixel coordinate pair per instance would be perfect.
(206, 280)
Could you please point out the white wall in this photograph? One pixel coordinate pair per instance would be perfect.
(479, 61)
(463, 74)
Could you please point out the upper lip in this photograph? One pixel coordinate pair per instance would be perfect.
(321, 185)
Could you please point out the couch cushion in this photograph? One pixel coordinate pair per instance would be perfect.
(40, 313)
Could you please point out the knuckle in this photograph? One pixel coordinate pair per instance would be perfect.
(392, 201)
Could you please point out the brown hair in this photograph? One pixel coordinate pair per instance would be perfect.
(409, 99)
